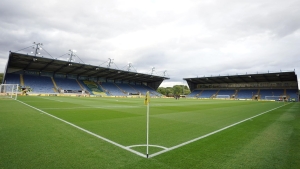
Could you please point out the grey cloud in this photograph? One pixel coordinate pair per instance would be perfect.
(186, 38)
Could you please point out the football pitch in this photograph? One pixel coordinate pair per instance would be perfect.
(76, 132)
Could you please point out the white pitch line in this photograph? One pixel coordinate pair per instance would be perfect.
(96, 107)
(128, 148)
(91, 133)
(209, 134)
(144, 145)
(52, 99)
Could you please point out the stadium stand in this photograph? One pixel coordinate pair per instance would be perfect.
(39, 84)
(194, 93)
(46, 75)
(208, 93)
(153, 93)
(143, 90)
(67, 85)
(111, 89)
(259, 86)
(140, 88)
(88, 86)
(127, 89)
(292, 94)
(226, 92)
(44, 84)
(13, 79)
(270, 92)
(54, 74)
(92, 87)
(246, 93)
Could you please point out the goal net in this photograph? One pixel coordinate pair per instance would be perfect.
(222, 96)
(9, 91)
(275, 98)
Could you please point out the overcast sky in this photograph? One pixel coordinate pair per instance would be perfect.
(188, 38)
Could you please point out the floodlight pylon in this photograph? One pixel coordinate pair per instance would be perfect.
(37, 47)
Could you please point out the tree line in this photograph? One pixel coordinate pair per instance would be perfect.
(173, 91)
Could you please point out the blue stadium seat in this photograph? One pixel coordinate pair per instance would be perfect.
(67, 84)
(39, 84)
(246, 93)
(12, 78)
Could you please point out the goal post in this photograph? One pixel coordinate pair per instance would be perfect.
(9, 91)
(222, 96)
(275, 98)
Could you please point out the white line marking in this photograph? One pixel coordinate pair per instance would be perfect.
(160, 152)
(91, 133)
(209, 134)
(96, 107)
(144, 145)
(51, 99)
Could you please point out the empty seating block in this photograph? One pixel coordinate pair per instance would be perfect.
(12, 78)
(92, 87)
(127, 88)
(67, 84)
(39, 84)
(207, 93)
(141, 89)
(194, 93)
(226, 92)
(292, 93)
(152, 92)
(270, 92)
(112, 89)
(246, 93)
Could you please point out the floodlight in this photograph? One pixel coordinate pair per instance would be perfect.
(36, 47)
(110, 61)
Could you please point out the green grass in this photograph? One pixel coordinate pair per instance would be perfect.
(32, 139)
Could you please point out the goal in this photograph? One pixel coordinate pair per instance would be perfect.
(222, 96)
(275, 98)
(9, 91)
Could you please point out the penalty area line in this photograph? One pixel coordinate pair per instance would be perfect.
(84, 130)
(209, 134)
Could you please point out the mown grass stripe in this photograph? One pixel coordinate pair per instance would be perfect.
(209, 134)
(84, 130)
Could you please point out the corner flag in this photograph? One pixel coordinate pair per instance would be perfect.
(146, 102)
(147, 98)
